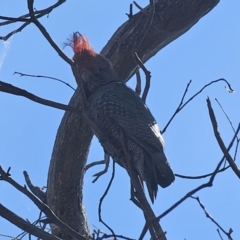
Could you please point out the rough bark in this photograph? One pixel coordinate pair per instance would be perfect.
(172, 18)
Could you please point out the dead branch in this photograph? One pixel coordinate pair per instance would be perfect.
(147, 74)
(140, 8)
(42, 76)
(138, 84)
(35, 190)
(201, 176)
(42, 206)
(155, 228)
(25, 18)
(6, 37)
(149, 47)
(130, 14)
(195, 190)
(230, 122)
(101, 201)
(182, 105)
(44, 32)
(219, 139)
(228, 234)
(9, 88)
(26, 226)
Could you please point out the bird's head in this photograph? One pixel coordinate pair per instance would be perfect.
(94, 69)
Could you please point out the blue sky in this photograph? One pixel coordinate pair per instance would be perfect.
(208, 51)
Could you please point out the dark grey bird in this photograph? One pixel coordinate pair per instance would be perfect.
(117, 109)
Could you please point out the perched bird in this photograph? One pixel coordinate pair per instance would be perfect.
(117, 109)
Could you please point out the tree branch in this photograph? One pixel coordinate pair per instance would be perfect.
(26, 226)
(211, 218)
(220, 141)
(42, 76)
(190, 193)
(46, 34)
(42, 206)
(9, 88)
(182, 105)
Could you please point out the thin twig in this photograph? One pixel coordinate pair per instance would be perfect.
(219, 234)
(190, 193)
(101, 201)
(8, 236)
(12, 19)
(201, 176)
(140, 8)
(25, 18)
(42, 206)
(210, 217)
(5, 38)
(220, 141)
(35, 190)
(9, 88)
(155, 228)
(25, 225)
(181, 105)
(138, 84)
(42, 76)
(147, 74)
(230, 122)
(130, 14)
(46, 34)
(108, 236)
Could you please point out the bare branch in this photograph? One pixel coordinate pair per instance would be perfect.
(46, 34)
(26, 226)
(208, 184)
(148, 77)
(155, 228)
(230, 122)
(42, 206)
(181, 105)
(8, 236)
(25, 18)
(140, 8)
(210, 217)
(220, 141)
(201, 176)
(5, 38)
(138, 84)
(12, 19)
(101, 200)
(130, 14)
(219, 234)
(42, 76)
(9, 88)
(35, 190)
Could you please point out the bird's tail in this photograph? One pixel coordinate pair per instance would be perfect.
(157, 172)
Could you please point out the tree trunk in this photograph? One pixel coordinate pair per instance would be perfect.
(171, 19)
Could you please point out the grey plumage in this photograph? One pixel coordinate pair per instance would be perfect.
(117, 109)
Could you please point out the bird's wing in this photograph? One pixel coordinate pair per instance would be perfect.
(123, 105)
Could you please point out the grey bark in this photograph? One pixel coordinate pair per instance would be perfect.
(172, 18)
